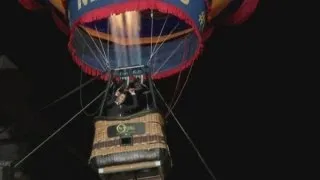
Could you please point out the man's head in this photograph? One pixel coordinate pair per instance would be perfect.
(121, 98)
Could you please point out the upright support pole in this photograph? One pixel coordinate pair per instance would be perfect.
(106, 93)
(148, 75)
(147, 99)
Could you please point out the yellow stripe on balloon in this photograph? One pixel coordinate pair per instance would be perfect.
(58, 4)
(216, 7)
(143, 40)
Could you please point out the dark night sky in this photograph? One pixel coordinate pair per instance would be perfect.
(222, 107)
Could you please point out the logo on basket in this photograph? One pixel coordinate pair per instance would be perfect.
(121, 128)
(126, 129)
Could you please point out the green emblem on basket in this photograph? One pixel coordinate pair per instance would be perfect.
(122, 129)
(126, 129)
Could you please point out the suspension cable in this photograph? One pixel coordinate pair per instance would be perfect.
(186, 134)
(57, 131)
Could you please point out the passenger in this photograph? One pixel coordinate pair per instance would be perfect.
(115, 106)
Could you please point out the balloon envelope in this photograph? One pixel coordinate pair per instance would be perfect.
(166, 35)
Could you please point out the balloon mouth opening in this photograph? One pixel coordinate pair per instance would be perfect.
(142, 28)
(165, 38)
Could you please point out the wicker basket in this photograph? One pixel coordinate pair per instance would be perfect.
(129, 141)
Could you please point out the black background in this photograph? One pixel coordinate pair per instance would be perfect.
(225, 107)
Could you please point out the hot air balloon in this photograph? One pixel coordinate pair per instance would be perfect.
(130, 44)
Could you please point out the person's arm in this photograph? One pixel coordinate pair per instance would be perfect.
(113, 98)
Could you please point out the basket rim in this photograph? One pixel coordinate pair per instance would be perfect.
(135, 115)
